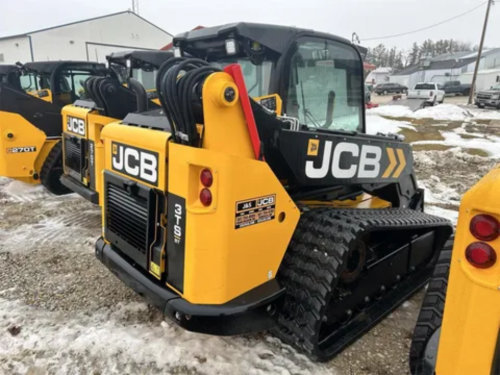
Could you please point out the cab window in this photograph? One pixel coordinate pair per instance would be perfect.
(257, 77)
(146, 78)
(71, 86)
(325, 88)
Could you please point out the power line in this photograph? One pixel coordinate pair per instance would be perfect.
(428, 27)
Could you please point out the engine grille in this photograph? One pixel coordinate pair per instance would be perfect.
(129, 216)
(74, 156)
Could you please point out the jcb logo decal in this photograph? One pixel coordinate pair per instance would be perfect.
(75, 125)
(135, 162)
(393, 162)
(350, 160)
(368, 158)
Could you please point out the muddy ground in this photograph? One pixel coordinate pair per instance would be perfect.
(62, 312)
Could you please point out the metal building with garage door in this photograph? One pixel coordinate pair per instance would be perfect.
(87, 40)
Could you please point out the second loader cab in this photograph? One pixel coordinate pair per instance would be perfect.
(31, 121)
(110, 99)
(142, 65)
(10, 75)
(313, 76)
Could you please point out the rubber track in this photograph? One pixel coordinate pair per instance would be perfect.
(52, 170)
(315, 258)
(431, 313)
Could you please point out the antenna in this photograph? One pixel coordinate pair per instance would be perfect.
(135, 6)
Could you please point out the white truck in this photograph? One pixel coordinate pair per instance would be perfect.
(432, 92)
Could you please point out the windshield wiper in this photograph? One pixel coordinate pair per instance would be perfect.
(307, 113)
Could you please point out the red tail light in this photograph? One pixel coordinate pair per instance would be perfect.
(485, 227)
(481, 255)
(206, 197)
(432, 93)
(206, 178)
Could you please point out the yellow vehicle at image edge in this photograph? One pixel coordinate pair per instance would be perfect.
(234, 215)
(457, 332)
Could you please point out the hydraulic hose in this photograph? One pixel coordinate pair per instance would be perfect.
(178, 84)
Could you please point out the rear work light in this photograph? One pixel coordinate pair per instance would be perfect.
(481, 255)
(485, 227)
(206, 178)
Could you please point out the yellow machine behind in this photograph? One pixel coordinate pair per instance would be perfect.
(109, 100)
(31, 121)
(468, 341)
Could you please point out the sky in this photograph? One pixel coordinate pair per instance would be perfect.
(368, 18)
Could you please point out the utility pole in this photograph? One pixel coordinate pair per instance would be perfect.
(135, 6)
(473, 87)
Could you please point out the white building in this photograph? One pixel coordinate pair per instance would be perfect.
(448, 67)
(379, 75)
(485, 78)
(88, 40)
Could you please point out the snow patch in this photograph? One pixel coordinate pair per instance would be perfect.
(391, 111)
(18, 191)
(490, 145)
(442, 112)
(486, 115)
(442, 212)
(437, 192)
(376, 124)
(448, 112)
(70, 343)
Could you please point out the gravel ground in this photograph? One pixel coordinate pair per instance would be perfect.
(62, 312)
(50, 273)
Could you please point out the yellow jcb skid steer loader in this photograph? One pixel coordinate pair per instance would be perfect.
(31, 121)
(109, 101)
(458, 329)
(232, 216)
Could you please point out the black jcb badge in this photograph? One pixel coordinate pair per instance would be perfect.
(135, 162)
(255, 211)
(20, 150)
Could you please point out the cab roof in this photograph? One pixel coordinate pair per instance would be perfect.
(47, 67)
(273, 37)
(7, 68)
(153, 57)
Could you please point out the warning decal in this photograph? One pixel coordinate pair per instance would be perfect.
(255, 211)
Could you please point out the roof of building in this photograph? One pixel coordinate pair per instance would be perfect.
(451, 56)
(486, 71)
(408, 70)
(464, 55)
(490, 52)
(436, 65)
(450, 64)
(382, 70)
(81, 21)
(368, 66)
